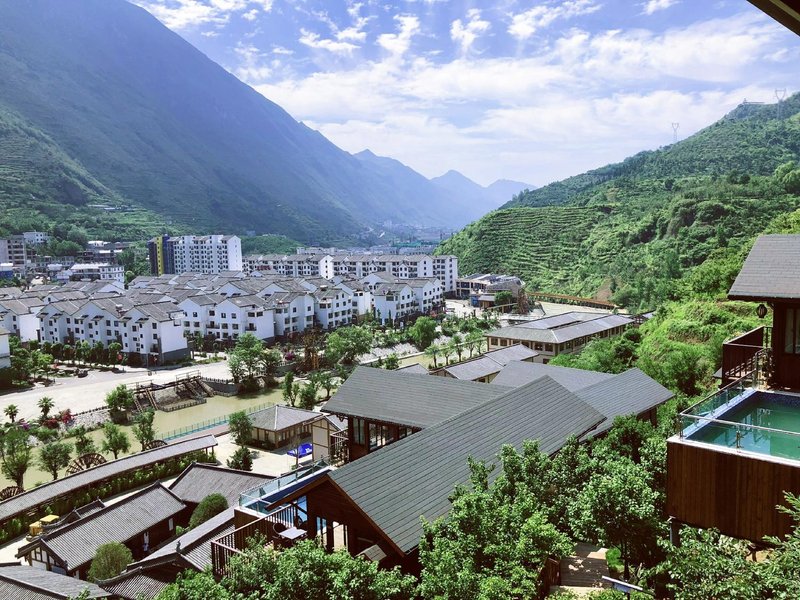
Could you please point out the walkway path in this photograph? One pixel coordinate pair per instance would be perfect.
(582, 573)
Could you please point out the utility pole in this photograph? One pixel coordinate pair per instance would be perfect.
(675, 132)
(780, 95)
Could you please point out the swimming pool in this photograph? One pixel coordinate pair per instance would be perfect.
(762, 422)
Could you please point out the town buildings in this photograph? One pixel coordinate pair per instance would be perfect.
(195, 253)
(14, 251)
(478, 284)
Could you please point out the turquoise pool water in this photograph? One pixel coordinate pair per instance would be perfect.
(762, 409)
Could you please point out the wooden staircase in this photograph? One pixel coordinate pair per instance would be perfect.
(582, 573)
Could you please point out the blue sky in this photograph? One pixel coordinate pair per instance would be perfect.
(518, 89)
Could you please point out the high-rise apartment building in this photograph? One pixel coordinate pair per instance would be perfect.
(195, 253)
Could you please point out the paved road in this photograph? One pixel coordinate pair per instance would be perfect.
(80, 394)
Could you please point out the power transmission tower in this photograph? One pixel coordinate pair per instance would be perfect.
(780, 95)
(675, 132)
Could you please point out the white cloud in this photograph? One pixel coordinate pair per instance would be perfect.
(465, 35)
(397, 44)
(652, 6)
(253, 66)
(185, 14)
(313, 40)
(525, 24)
(577, 103)
(250, 15)
(209, 34)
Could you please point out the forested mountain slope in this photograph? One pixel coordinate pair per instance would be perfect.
(629, 230)
(161, 126)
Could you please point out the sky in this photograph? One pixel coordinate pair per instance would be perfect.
(529, 90)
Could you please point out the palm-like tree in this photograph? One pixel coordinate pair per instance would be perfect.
(45, 405)
(433, 352)
(11, 411)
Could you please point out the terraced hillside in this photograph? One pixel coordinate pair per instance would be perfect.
(630, 231)
(40, 184)
(542, 245)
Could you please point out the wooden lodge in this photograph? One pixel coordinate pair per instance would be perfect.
(729, 466)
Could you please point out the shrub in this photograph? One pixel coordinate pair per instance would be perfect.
(109, 561)
(210, 506)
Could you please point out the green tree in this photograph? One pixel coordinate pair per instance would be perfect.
(11, 411)
(457, 341)
(83, 443)
(192, 585)
(423, 332)
(474, 341)
(245, 361)
(308, 395)
(241, 428)
(54, 456)
(346, 344)
(290, 389)
(143, 429)
(308, 571)
(210, 506)
(617, 507)
(391, 362)
(496, 536)
(241, 459)
(110, 560)
(270, 361)
(434, 351)
(114, 353)
(504, 299)
(15, 454)
(45, 405)
(325, 381)
(115, 440)
(119, 401)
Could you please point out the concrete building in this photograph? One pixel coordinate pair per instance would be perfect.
(13, 250)
(35, 238)
(195, 254)
(96, 272)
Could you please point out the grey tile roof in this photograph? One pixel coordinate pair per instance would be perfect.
(415, 476)
(489, 363)
(629, 393)
(278, 417)
(199, 480)
(407, 398)
(140, 583)
(77, 543)
(195, 544)
(416, 369)
(517, 373)
(771, 270)
(46, 493)
(20, 582)
(530, 332)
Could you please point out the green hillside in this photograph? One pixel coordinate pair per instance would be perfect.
(629, 230)
(40, 185)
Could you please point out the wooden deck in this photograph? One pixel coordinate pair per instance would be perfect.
(582, 573)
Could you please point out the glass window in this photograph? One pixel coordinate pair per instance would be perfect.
(358, 431)
(791, 341)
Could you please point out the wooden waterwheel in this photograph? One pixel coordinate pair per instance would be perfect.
(84, 462)
(154, 444)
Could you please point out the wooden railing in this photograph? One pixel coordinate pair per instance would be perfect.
(549, 576)
(748, 356)
(229, 545)
(340, 449)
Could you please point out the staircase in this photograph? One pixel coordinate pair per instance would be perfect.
(582, 573)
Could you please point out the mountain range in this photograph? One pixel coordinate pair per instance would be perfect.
(628, 231)
(102, 104)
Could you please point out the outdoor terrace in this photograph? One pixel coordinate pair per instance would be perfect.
(734, 456)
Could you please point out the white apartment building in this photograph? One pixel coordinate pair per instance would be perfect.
(393, 301)
(445, 268)
(20, 317)
(333, 307)
(5, 351)
(35, 238)
(428, 291)
(207, 253)
(237, 315)
(96, 272)
(294, 312)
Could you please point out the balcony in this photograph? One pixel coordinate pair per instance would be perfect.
(748, 356)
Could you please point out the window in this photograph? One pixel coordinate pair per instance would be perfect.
(791, 340)
(358, 431)
(155, 325)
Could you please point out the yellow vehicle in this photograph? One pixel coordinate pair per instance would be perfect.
(37, 527)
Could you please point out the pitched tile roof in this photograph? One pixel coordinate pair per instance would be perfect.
(406, 398)
(629, 393)
(517, 373)
(415, 476)
(140, 583)
(770, 271)
(76, 544)
(20, 582)
(278, 417)
(199, 480)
